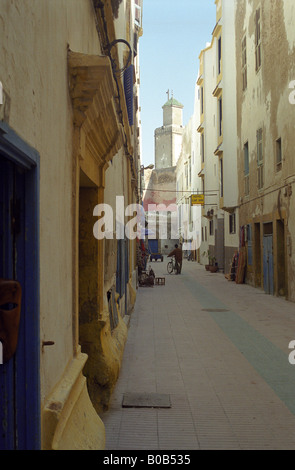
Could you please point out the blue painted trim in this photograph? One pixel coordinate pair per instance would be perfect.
(128, 89)
(23, 155)
(15, 149)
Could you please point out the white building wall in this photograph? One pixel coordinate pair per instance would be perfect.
(196, 182)
(210, 124)
(230, 176)
(229, 104)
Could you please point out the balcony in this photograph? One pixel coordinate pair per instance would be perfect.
(217, 90)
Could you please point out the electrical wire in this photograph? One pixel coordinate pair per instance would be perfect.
(265, 194)
(190, 192)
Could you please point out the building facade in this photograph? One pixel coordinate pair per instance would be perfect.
(265, 116)
(218, 129)
(246, 136)
(213, 226)
(189, 185)
(68, 142)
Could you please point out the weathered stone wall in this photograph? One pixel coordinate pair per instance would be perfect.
(265, 104)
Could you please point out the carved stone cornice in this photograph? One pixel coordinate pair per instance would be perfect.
(92, 91)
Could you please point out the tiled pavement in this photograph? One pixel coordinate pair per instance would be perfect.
(220, 351)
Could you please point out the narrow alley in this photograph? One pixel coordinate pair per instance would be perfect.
(211, 358)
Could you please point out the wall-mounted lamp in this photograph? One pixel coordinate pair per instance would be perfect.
(149, 167)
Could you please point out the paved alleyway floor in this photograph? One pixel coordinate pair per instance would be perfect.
(218, 352)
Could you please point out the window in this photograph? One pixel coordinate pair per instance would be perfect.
(246, 158)
(203, 147)
(137, 7)
(186, 175)
(219, 56)
(232, 223)
(129, 95)
(202, 100)
(278, 154)
(189, 171)
(220, 116)
(246, 168)
(211, 227)
(260, 158)
(259, 147)
(221, 176)
(244, 63)
(257, 39)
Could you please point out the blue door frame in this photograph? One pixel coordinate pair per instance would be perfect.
(268, 264)
(19, 259)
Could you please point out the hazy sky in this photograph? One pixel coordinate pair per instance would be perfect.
(174, 33)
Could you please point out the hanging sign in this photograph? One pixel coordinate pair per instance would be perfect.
(198, 199)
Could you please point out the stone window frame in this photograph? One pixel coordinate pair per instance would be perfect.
(278, 153)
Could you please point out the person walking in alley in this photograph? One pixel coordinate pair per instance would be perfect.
(177, 253)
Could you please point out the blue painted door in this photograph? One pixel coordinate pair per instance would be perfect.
(153, 246)
(268, 264)
(19, 377)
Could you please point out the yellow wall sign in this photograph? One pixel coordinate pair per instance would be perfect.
(198, 199)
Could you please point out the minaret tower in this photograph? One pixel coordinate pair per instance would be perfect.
(168, 138)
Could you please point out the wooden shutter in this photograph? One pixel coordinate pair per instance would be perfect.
(128, 89)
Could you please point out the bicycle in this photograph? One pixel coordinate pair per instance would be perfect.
(171, 266)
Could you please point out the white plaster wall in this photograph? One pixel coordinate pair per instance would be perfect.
(33, 69)
(230, 239)
(210, 116)
(229, 105)
(196, 155)
(176, 146)
(229, 69)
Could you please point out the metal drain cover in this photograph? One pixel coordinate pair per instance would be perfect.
(214, 310)
(146, 400)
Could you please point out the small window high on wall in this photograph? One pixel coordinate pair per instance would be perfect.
(137, 12)
(219, 56)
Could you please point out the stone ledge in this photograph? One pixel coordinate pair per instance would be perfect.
(70, 421)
